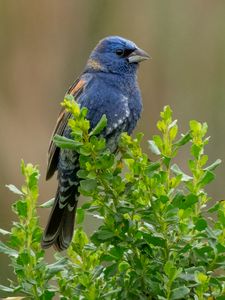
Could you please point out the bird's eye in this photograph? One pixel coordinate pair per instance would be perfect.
(120, 52)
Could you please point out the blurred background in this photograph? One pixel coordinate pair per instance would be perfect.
(44, 46)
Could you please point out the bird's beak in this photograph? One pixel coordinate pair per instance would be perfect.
(138, 55)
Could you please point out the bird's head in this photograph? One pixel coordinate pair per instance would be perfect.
(115, 54)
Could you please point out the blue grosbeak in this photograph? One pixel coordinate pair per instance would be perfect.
(108, 85)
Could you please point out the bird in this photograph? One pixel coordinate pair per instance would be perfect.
(108, 85)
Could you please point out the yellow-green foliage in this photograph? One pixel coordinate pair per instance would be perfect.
(157, 238)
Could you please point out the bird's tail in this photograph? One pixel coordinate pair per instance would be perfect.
(59, 230)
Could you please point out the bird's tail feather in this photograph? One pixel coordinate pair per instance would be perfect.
(59, 230)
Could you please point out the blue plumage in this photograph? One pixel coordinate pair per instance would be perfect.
(107, 86)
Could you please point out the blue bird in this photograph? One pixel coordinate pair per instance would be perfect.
(108, 85)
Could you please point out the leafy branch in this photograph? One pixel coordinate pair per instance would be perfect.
(160, 237)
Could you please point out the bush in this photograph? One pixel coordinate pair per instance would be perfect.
(158, 238)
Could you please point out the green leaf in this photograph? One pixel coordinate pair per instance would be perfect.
(189, 201)
(48, 203)
(21, 208)
(201, 224)
(100, 126)
(123, 266)
(173, 124)
(214, 165)
(110, 270)
(23, 258)
(104, 234)
(201, 277)
(154, 240)
(116, 252)
(8, 251)
(167, 113)
(153, 147)
(105, 161)
(214, 208)
(179, 293)
(164, 199)
(14, 189)
(173, 133)
(82, 173)
(6, 289)
(183, 140)
(47, 295)
(178, 199)
(170, 270)
(195, 125)
(176, 170)
(114, 291)
(97, 217)
(206, 179)
(158, 141)
(151, 168)
(80, 239)
(88, 185)
(220, 248)
(161, 125)
(203, 160)
(79, 215)
(183, 202)
(65, 143)
(221, 217)
(86, 205)
(85, 150)
(4, 232)
(84, 111)
(166, 161)
(195, 151)
(56, 267)
(32, 178)
(220, 298)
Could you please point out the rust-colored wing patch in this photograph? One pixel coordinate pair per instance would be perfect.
(76, 87)
(53, 151)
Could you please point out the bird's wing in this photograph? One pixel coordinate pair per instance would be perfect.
(53, 151)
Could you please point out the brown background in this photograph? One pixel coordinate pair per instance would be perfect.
(44, 46)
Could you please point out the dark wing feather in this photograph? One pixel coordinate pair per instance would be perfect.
(53, 151)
